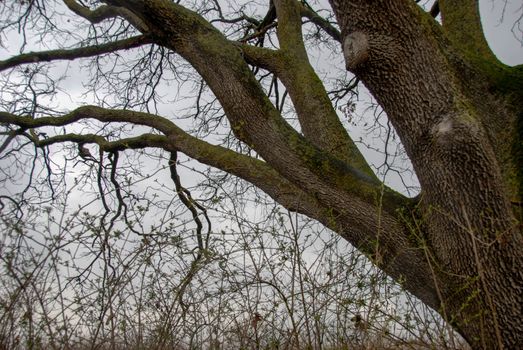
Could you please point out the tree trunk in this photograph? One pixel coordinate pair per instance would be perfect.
(442, 93)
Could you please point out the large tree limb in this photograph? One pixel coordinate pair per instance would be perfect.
(318, 120)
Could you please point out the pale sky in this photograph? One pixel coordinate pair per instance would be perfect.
(498, 24)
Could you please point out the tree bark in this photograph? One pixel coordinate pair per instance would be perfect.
(441, 102)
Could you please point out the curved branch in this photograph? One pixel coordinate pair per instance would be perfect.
(318, 119)
(105, 12)
(255, 171)
(98, 15)
(72, 54)
(90, 112)
(321, 22)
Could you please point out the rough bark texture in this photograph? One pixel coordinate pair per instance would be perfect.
(427, 83)
(458, 112)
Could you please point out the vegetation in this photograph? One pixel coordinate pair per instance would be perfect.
(114, 237)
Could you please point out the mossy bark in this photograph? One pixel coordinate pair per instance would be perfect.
(456, 109)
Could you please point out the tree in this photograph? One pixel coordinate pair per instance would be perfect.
(456, 108)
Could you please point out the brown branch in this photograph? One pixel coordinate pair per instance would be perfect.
(138, 142)
(319, 121)
(262, 57)
(174, 139)
(434, 10)
(289, 27)
(105, 12)
(90, 112)
(72, 54)
(321, 22)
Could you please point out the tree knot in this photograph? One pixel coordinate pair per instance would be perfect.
(444, 127)
(355, 49)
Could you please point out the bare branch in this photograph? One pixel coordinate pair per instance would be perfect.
(320, 22)
(250, 169)
(105, 12)
(72, 54)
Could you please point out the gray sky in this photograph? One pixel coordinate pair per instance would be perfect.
(499, 20)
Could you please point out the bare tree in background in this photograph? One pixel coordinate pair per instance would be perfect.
(456, 108)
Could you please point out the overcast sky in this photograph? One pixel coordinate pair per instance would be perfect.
(498, 23)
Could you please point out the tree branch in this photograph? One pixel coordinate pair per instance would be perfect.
(89, 112)
(321, 22)
(174, 139)
(137, 142)
(262, 57)
(318, 119)
(105, 12)
(462, 23)
(72, 54)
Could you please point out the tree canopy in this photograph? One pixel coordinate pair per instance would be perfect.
(235, 86)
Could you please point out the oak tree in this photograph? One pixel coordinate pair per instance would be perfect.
(456, 108)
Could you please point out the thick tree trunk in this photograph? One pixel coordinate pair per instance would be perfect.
(444, 107)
